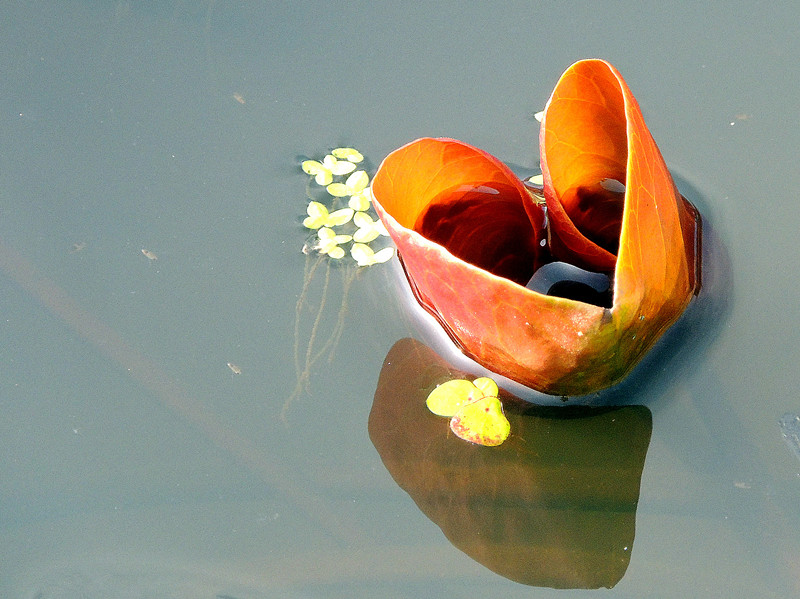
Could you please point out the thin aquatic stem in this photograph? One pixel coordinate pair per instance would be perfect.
(349, 275)
(304, 375)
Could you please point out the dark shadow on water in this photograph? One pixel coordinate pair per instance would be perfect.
(553, 506)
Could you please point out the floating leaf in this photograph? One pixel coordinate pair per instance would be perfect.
(481, 422)
(355, 183)
(328, 243)
(322, 175)
(486, 385)
(368, 229)
(350, 154)
(360, 201)
(339, 167)
(339, 217)
(324, 171)
(366, 256)
(318, 216)
(446, 399)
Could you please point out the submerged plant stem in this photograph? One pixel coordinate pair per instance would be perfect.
(304, 363)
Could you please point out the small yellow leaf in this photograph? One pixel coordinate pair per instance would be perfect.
(350, 154)
(365, 234)
(363, 220)
(326, 235)
(383, 255)
(317, 215)
(362, 254)
(486, 385)
(336, 253)
(311, 167)
(328, 243)
(481, 422)
(343, 167)
(357, 182)
(338, 190)
(322, 174)
(339, 217)
(360, 201)
(449, 397)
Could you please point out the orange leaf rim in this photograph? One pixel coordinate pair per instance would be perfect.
(470, 235)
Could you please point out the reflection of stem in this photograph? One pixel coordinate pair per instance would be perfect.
(153, 378)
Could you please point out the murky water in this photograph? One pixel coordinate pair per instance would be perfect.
(136, 462)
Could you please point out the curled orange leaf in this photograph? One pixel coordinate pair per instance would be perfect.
(471, 236)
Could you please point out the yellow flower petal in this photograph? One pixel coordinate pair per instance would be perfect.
(350, 154)
(448, 398)
(481, 422)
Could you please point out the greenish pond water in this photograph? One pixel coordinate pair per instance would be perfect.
(134, 462)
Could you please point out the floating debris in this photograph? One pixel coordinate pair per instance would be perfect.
(77, 247)
(234, 368)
